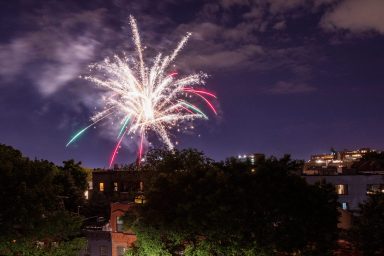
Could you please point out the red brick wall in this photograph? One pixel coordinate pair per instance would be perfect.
(124, 239)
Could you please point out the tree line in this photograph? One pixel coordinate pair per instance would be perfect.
(38, 205)
(196, 206)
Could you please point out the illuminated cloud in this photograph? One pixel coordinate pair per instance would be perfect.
(356, 16)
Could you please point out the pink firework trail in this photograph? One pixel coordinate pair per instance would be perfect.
(141, 147)
(116, 150)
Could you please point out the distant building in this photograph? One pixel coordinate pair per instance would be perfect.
(252, 158)
(352, 185)
(351, 189)
(335, 162)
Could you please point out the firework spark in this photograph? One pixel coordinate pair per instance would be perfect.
(147, 98)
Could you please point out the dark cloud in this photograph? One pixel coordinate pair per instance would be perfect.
(283, 87)
(63, 42)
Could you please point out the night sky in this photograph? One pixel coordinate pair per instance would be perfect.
(292, 76)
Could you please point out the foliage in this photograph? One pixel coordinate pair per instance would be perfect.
(27, 191)
(368, 229)
(32, 196)
(78, 173)
(372, 161)
(149, 243)
(200, 207)
(72, 182)
(32, 248)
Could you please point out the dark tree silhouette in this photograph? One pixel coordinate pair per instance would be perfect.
(368, 229)
(200, 207)
(31, 194)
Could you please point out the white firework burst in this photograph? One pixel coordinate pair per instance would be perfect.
(147, 98)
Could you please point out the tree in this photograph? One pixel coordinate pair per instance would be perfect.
(33, 248)
(198, 207)
(31, 209)
(368, 229)
(372, 161)
(78, 173)
(72, 181)
(27, 191)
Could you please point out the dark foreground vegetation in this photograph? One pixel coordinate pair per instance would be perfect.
(38, 205)
(199, 207)
(194, 206)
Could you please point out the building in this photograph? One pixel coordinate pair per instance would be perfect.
(117, 185)
(351, 184)
(252, 158)
(351, 189)
(113, 239)
(120, 239)
(117, 190)
(334, 163)
(98, 243)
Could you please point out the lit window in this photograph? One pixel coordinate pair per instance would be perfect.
(103, 251)
(119, 224)
(341, 189)
(101, 186)
(375, 189)
(140, 199)
(115, 187)
(344, 206)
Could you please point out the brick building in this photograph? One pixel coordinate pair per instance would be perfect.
(117, 185)
(120, 239)
(98, 243)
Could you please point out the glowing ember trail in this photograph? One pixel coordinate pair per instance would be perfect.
(147, 98)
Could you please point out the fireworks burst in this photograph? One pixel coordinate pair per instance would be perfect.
(147, 98)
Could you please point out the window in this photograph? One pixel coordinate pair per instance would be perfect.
(341, 189)
(119, 224)
(375, 189)
(140, 199)
(115, 186)
(344, 205)
(120, 250)
(103, 251)
(101, 186)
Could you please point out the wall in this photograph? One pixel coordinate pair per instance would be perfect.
(120, 239)
(95, 240)
(357, 186)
